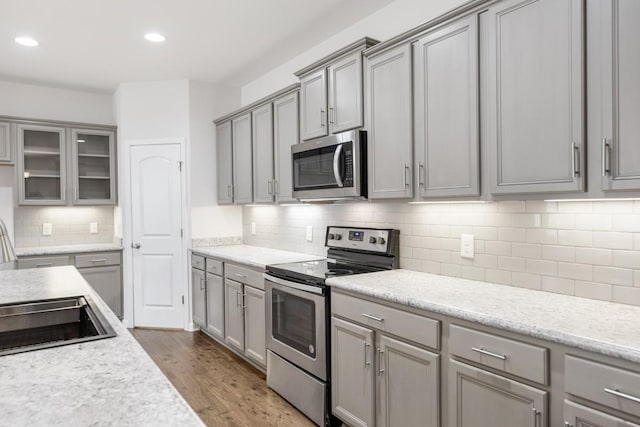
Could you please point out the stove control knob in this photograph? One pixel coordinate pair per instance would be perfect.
(372, 239)
(382, 241)
(338, 236)
(330, 236)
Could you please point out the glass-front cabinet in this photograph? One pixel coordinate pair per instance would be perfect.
(42, 165)
(93, 163)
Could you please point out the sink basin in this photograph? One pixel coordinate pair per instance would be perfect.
(34, 325)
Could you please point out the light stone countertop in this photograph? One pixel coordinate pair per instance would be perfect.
(67, 249)
(603, 327)
(110, 381)
(254, 256)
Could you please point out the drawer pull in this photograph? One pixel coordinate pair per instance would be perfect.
(242, 276)
(536, 414)
(366, 346)
(99, 260)
(369, 316)
(622, 395)
(46, 264)
(489, 353)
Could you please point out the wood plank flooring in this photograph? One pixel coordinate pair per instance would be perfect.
(223, 389)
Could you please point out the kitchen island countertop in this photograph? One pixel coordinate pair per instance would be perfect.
(110, 381)
(254, 256)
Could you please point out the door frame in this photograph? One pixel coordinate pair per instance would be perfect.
(124, 192)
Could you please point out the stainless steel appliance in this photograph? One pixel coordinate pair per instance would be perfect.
(7, 254)
(298, 314)
(331, 168)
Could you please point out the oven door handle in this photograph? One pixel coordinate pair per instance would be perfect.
(294, 285)
(336, 166)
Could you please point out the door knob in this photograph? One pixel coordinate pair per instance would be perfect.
(135, 245)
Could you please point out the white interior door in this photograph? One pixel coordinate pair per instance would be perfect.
(156, 212)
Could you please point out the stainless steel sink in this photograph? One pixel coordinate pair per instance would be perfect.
(35, 325)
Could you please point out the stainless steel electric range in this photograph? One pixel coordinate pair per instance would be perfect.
(298, 314)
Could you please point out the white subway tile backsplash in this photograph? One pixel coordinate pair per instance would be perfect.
(575, 271)
(613, 275)
(528, 220)
(626, 223)
(498, 248)
(453, 270)
(511, 234)
(636, 241)
(526, 250)
(613, 240)
(473, 273)
(594, 222)
(558, 285)
(541, 206)
(575, 238)
(538, 266)
(628, 259)
(511, 207)
(559, 221)
(512, 263)
(626, 295)
(500, 277)
(613, 207)
(636, 278)
(526, 280)
(430, 267)
(594, 256)
(575, 207)
(559, 253)
(593, 290)
(484, 233)
(544, 236)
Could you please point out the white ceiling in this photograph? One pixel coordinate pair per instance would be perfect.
(97, 44)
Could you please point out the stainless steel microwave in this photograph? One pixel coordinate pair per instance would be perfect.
(331, 168)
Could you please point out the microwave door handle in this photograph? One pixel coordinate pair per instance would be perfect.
(336, 166)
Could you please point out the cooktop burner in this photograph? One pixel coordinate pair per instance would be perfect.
(317, 271)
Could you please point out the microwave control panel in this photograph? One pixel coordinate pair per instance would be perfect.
(361, 239)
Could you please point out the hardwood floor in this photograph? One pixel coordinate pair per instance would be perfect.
(223, 389)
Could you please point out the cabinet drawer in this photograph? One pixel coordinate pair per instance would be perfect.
(613, 387)
(214, 266)
(197, 261)
(51, 261)
(244, 275)
(407, 325)
(98, 259)
(507, 355)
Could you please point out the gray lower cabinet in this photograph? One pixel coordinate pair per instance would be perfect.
(107, 282)
(576, 415)
(535, 92)
(198, 292)
(388, 111)
(263, 170)
(620, 99)
(478, 398)
(286, 132)
(242, 159)
(5, 143)
(224, 162)
(215, 305)
(234, 314)
(345, 93)
(446, 111)
(254, 324)
(313, 105)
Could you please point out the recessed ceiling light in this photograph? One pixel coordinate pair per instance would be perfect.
(155, 37)
(27, 41)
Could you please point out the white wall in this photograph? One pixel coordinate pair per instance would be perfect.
(393, 19)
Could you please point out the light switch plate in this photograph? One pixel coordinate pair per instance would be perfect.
(467, 246)
(47, 229)
(309, 233)
(253, 228)
(93, 227)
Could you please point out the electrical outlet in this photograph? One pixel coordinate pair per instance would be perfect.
(467, 246)
(47, 229)
(253, 228)
(93, 227)
(309, 233)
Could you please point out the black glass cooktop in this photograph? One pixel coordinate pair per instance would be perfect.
(317, 271)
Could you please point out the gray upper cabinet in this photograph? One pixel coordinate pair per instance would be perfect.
(286, 133)
(388, 110)
(224, 161)
(620, 102)
(345, 94)
(242, 159)
(94, 167)
(446, 111)
(535, 95)
(5, 142)
(313, 105)
(263, 176)
(41, 165)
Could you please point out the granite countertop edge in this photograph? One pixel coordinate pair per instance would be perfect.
(253, 256)
(67, 249)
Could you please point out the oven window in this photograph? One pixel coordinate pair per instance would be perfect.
(314, 169)
(294, 322)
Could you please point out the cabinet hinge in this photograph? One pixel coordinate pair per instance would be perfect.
(180, 165)
(182, 299)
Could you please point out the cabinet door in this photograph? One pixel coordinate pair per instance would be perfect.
(352, 373)
(107, 282)
(215, 305)
(446, 111)
(408, 385)
(233, 314)
(198, 294)
(388, 121)
(263, 185)
(481, 399)
(242, 160)
(224, 161)
(5, 142)
(581, 416)
(255, 325)
(621, 94)
(94, 167)
(535, 90)
(42, 165)
(286, 133)
(313, 105)
(345, 94)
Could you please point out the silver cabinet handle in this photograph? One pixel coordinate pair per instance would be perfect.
(606, 157)
(275, 187)
(99, 260)
(336, 166)
(237, 299)
(46, 264)
(331, 116)
(489, 353)
(366, 346)
(321, 118)
(244, 304)
(567, 424)
(270, 187)
(202, 285)
(380, 362)
(536, 416)
(575, 159)
(229, 190)
(135, 245)
(622, 395)
(421, 174)
(369, 316)
(406, 169)
(242, 276)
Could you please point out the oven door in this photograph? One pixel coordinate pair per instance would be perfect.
(296, 324)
